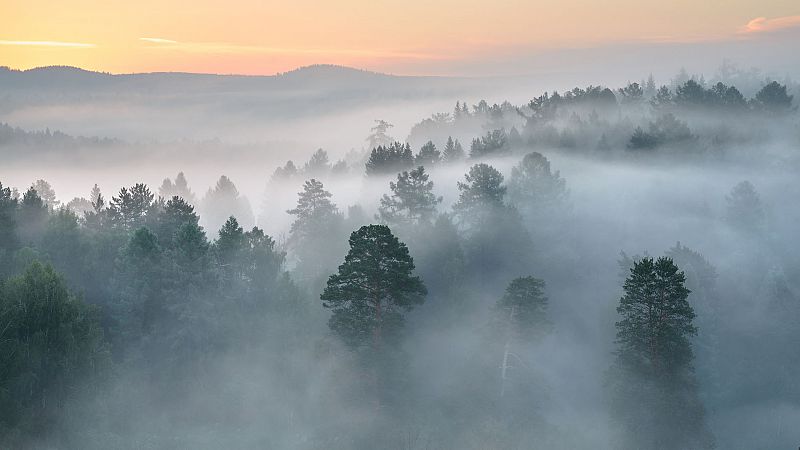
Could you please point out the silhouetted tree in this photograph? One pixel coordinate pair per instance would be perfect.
(378, 136)
(533, 187)
(453, 151)
(390, 159)
(654, 394)
(745, 210)
(520, 317)
(428, 155)
(412, 200)
(47, 193)
(368, 296)
(222, 202)
(773, 99)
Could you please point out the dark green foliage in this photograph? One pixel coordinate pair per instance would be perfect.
(412, 201)
(480, 194)
(51, 348)
(632, 93)
(313, 213)
(428, 155)
(654, 398)
(665, 130)
(495, 235)
(521, 314)
(372, 289)
(175, 213)
(393, 158)
(131, 208)
(9, 241)
(33, 213)
(773, 98)
(453, 151)
(493, 142)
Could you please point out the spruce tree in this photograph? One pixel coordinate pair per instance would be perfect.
(453, 151)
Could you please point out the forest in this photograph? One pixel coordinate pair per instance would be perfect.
(595, 268)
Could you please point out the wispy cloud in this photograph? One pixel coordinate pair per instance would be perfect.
(158, 40)
(48, 44)
(762, 24)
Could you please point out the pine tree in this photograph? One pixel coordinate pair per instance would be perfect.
(317, 222)
(179, 188)
(745, 211)
(480, 195)
(222, 202)
(453, 151)
(51, 346)
(412, 200)
(533, 187)
(9, 240)
(47, 193)
(378, 136)
(131, 208)
(520, 317)
(373, 286)
(428, 155)
(654, 395)
(176, 212)
(32, 217)
(318, 165)
(368, 296)
(389, 159)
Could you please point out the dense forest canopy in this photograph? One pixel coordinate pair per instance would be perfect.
(486, 282)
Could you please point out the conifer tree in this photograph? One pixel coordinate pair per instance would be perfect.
(654, 394)
(533, 187)
(428, 155)
(412, 200)
(453, 151)
(520, 317)
(368, 296)
(372, 289)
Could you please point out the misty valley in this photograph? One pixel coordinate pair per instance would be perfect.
(339, 259)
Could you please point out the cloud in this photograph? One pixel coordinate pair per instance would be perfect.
(158, 40)
(762, 24)
(48, 44)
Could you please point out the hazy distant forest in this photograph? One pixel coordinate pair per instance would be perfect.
(596, 268)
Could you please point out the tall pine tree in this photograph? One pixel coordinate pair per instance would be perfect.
(654, 393)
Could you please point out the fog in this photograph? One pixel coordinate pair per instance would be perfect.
(215, 336)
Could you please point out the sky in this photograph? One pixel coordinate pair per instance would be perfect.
(411, 37)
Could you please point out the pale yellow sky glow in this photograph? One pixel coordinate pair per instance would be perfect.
(264, 37)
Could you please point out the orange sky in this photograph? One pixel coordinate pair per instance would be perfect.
(410, 36)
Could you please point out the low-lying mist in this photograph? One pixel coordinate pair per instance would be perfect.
(215, 296)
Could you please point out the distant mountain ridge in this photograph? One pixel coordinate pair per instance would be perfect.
(323, 76)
